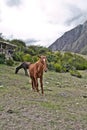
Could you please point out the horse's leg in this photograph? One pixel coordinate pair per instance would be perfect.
(41, 84)
(33, 84)
(36, 84)
(25, 69)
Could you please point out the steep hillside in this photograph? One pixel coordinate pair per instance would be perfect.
(74, 40)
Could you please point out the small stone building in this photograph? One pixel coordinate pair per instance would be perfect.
(7, 49)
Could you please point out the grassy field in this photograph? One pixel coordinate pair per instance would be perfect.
(63, 106)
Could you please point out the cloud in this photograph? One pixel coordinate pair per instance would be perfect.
(31, 41)
(43, 20)
(12, 3)
(0, 16)
(0, 13)
(76, 15)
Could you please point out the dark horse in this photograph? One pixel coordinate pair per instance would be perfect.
(25, 66)
(36, 71)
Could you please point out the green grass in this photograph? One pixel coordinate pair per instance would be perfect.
(63, 106)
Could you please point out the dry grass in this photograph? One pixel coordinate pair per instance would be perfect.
(63, 107)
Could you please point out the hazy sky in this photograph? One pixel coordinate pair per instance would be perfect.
(42, 21)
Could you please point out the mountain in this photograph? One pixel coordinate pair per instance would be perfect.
(74, 40)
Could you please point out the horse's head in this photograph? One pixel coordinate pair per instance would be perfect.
(43, 60)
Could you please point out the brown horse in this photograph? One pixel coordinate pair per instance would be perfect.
(36, 71)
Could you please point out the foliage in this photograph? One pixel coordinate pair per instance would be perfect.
(27, 57)
(65, 61)
(53, 57)
(2, 58)
(36, 50)
(10, 62)
(18, 56)
(57, 61)
(58, 67)
(51, 66)
(35, 58)
(1, 37)
(75, 73)
(20, 44)
(79, 62)
(70, 61)
(30, 51)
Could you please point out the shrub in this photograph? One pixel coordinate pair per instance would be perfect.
(18, 56)
(66, 67)
(79, 62)
(51, 66)
(75, 73)
(58, 67)
(27, 57)
(2, 58)
(35, 58)
(10, 62)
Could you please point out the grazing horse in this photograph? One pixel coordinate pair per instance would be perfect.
(25, 66)
(36, 71)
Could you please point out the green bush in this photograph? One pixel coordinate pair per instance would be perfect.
(2, 58)
(35, 58)
(18, 56)
(75, 73)
(79, 62)
(58, 67)
(10, 62)
(27, 57)
(51, 66)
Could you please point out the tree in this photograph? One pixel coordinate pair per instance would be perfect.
(21, 45)
(1, 36)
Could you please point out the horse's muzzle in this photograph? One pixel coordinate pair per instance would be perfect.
(45, 70)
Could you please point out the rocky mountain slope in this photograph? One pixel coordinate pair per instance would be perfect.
(74, 40)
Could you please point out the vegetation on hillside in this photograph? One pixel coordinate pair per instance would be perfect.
(57, 61)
